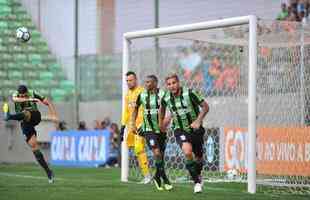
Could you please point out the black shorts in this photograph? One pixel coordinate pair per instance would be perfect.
(195, 138)
(28, 126)
(156, 140)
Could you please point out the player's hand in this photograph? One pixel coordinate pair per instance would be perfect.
(196, 124)
(134, 129)
(122, 133)
(162, 127)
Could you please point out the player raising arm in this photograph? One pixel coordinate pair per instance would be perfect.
(188, 110)
(29, 116)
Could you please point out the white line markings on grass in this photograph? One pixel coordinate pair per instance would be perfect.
(25, 176)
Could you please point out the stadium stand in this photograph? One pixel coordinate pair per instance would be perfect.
(32, 63)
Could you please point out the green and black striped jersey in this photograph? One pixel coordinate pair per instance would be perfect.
(21, 106)
(150, 103)
(184, 108)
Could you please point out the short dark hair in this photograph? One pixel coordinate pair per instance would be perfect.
(131, 73)
(152, 76)
(22, 89)
(175, 76)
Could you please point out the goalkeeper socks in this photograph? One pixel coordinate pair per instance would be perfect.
(192, 169)
(18, 116)
(144, 165)
(39, 157)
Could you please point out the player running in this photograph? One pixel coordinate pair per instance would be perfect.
(188, 110)
(149, 100)
(133, 139)
(29, 116)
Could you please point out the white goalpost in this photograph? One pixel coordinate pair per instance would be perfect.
(251, 44)
(255, 76)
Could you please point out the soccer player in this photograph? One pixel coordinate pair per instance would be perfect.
(28, 114)
(188, 110)
(149, 100)
(133, 140)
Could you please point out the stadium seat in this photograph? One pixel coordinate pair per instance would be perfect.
(67, 86)
(3, 25)
(3, 74)
(31, 74)
(15, 75)
(35, 59)
(46, 76)
(58, 94)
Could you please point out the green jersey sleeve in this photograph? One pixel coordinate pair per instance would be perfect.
(38, 96)
(196, 97)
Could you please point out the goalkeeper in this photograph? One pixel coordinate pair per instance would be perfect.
(28, 114)
(132, 139)
(188, 109)
(149, 100)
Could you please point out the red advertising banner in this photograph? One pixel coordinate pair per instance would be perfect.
(280, 151)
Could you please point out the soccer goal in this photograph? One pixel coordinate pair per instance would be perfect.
(254, 75)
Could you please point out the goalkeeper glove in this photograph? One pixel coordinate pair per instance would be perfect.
(122, 133)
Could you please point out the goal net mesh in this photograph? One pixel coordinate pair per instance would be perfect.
(215, 63)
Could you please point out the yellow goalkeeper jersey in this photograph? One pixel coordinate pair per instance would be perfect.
(130, 103)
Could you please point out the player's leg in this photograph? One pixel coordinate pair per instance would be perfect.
(8, 116)
(184, 140)
(197, 141)
(32, 142)
(162, 146)
(139, 149)
(152, 140)
(29, 131)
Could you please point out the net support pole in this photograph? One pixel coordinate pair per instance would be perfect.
(124, 148)
(252, 105)
(302, 78)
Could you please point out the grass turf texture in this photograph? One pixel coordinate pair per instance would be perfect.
(28, 182)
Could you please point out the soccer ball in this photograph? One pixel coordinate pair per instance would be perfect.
(23, 34)
(232, 174)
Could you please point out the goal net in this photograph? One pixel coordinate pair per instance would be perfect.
(215, 62)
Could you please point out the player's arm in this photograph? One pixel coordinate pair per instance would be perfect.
(51, 108)
(199, 100)
(135, 114)
(124, 119)
(17, 99)
(161, 115)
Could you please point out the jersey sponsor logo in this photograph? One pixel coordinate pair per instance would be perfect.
(152, 111)
(181, 111)
(182, 137)
(152, 142)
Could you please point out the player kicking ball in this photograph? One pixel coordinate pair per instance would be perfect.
(188, 110)
(149, 100)
(29, 116)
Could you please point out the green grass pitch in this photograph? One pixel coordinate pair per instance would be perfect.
(28, 182)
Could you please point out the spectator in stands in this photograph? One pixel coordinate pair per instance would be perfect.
(82, 126)
(301, 7)
(103, 124)
(284, 12)
(97, 124)
(303, 18)
(114, 156)
(61, 126)
(293, 4)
